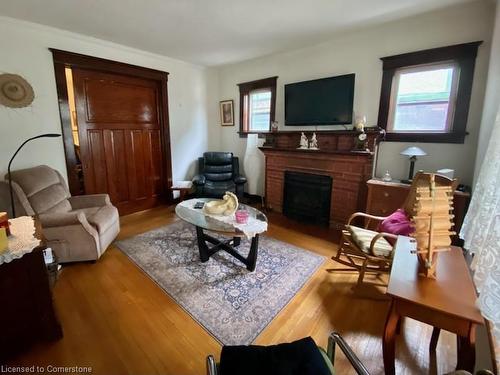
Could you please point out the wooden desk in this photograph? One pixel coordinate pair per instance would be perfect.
(447, 302)
(27, 310)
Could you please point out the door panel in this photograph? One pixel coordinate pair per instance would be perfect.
(112, 101)
(120, 138)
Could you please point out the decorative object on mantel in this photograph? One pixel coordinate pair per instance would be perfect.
(432, 218)
(226, 113)
(360, 123)
(15, 91)
(313, 145)
(304, 143)
(48, 135)
(274, 126)
(251, 163)
(387, 177)
(412, 152)
(225, 206)
(361, 142)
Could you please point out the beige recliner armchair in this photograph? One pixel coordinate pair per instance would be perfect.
(78, 228)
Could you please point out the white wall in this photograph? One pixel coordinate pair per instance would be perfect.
(360, 51)
(492, 96)
(24, 50)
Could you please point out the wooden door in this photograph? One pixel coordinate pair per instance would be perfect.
(119, 127)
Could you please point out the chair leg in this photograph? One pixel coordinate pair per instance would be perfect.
(362, 272)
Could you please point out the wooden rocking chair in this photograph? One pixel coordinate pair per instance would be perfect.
(366, 250)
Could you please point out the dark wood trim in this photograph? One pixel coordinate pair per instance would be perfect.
(452, 137)
(246, 87)
(73, 59)
(63, 59)
(67, 131)
(462, 54)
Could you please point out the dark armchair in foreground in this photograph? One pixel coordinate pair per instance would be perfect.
(218, 172)
(299, 357)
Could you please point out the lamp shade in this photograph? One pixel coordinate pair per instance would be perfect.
(413, 151)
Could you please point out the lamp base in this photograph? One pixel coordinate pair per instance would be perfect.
(407, 182)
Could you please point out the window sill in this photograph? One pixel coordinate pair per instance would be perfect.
(426, 137)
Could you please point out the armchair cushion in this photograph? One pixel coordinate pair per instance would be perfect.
(91, 200)
(44, 188)
(61, 219)
(363, 238)
(298, 357)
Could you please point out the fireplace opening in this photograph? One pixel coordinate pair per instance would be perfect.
(307, 197)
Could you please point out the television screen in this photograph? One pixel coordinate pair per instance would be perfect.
(326, 101)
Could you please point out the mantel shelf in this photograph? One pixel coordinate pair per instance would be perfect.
(353, 132)
(306, 151)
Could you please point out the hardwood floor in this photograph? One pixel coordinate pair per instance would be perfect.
(118, 321)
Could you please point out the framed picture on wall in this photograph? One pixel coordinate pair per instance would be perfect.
(226, 113)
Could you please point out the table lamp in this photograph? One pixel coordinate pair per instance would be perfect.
(412, 152)
(48, 135)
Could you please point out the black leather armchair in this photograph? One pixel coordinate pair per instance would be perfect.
(218, 172)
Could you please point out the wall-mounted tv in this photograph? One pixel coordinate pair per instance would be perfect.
(326, 101)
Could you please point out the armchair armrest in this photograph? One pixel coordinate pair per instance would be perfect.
(335, 339)
(211, 366)
(365, 215)
(240, 180)
(377, 237)
(199, 180)
(62, 219)
(91, 200)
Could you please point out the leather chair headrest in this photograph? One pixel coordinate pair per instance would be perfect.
(218, 158)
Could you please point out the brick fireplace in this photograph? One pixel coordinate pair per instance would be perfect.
(349, 171)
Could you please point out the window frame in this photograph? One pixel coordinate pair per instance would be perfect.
(420, 68)
(245, 89)
(463, 56)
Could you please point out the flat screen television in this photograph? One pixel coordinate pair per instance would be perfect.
(325, 101)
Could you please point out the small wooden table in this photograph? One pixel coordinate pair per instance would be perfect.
(183, 187)
(447, 302)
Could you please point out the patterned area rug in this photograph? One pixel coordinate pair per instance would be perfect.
(233, 304)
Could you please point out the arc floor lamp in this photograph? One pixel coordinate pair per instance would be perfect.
(48, 135)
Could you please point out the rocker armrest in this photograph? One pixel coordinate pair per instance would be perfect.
(199, 180)
(91, 200)
(239, 180)
(377, 237)
(62, 219)
(365, 215)
(335, 339)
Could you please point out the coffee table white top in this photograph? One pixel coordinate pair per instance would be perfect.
(257, 221)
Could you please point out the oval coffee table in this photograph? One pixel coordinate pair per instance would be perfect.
(203, 222)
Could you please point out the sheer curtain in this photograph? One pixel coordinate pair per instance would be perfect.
(481, 231)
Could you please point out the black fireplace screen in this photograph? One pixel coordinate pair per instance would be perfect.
(307, 197)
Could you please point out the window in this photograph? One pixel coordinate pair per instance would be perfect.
(257, 105)
(423, 99)
(425, 95)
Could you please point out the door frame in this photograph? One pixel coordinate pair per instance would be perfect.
(65, 59)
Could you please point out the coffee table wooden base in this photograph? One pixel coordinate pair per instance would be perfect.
(228, 246)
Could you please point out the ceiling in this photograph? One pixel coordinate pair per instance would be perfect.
(214, 32)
